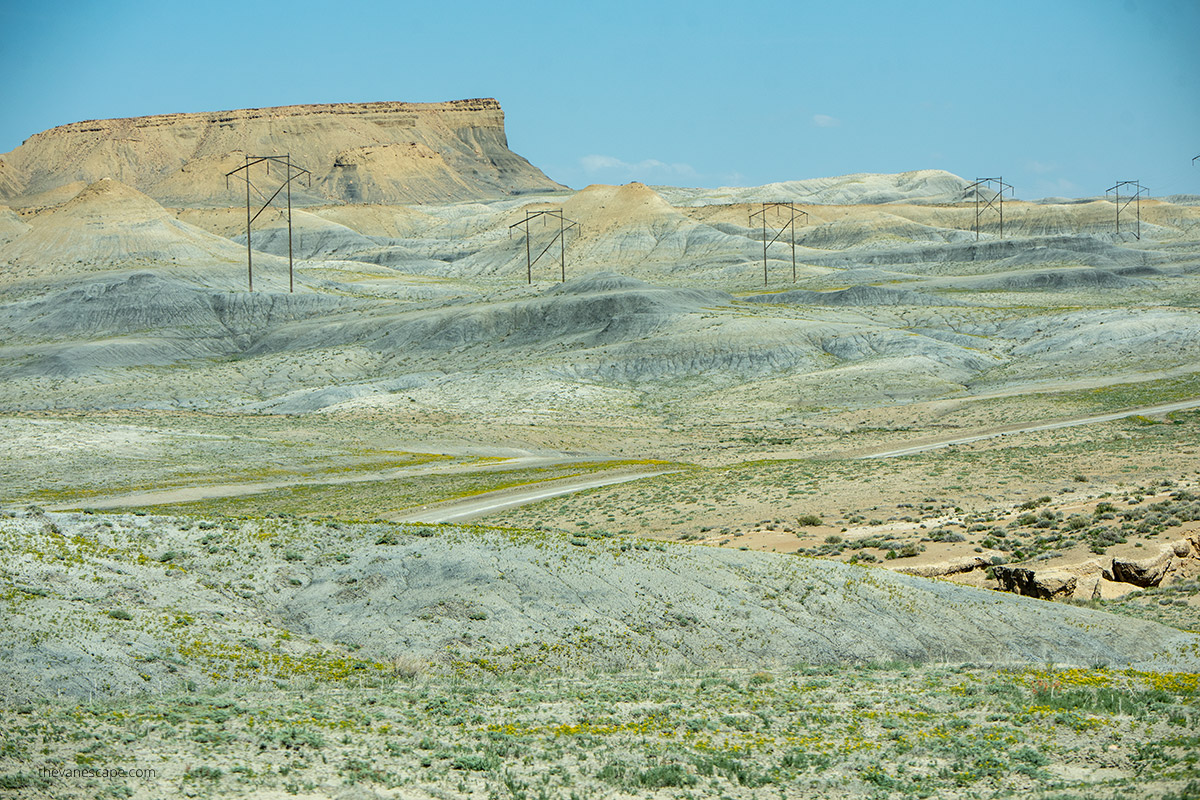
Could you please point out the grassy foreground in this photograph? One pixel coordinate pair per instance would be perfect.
(870, 731)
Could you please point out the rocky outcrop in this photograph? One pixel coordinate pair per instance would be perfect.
(1046, 584)
(954, 566)
(1143, 572)
(358, 152)
(1096, 580)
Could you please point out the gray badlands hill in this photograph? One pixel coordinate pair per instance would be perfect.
(602, 334)
(854, 296)
(917, 186)
(358, 152)
(1011, 252)
(144, 603)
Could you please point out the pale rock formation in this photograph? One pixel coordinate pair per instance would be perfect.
(385, 152)
(1046, 584)
(1143, 572)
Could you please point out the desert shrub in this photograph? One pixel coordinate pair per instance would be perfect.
(799, 759)
(357, 770)
(1111, 700)
(293, 739)
(879, 777)
(1030, 756)
(404, 666)
(475, 762)
(733, 768)
(1189, 792)
(613, 772)
(203, 773)
(22, 780)
(665, 775)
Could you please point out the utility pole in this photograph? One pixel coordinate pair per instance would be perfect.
(293, 172)
(993, 201)
(787, 223)
(564, 225)
(1139, 192)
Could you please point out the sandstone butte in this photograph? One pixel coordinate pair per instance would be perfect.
(386, 152)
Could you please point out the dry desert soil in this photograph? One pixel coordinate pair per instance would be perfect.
(920, 519)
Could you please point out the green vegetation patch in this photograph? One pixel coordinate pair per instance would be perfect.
(867, 731)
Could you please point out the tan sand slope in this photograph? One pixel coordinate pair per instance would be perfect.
(107, 225)
(10, 224)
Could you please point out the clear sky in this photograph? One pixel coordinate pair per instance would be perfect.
(1061, 97)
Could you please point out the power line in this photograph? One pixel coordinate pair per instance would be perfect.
(788, 224)
(994, 202)
(1139, 192)
(291, 172)
(564, 225)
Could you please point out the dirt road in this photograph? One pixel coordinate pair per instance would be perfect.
(1164, 408)
(187, 494)
(503, 500)
(480, 505)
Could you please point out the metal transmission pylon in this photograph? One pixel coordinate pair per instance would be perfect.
(785, 215)
(564, 225)
(291, 172)
(1139, 192)
(987, 197)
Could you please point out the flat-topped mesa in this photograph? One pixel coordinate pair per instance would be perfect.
(383, 110)
(384, 152)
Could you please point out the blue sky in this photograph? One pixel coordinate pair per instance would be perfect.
(1061, 98)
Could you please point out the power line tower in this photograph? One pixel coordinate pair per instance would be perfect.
(987, 197)
(1139, 192)
(564, 225)
(785, 217)
(290, 172)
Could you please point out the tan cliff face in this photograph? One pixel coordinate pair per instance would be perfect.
(386, 152)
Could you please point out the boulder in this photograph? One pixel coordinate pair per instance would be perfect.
(1047, 585)
(1143, 572)
(1186, 564)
